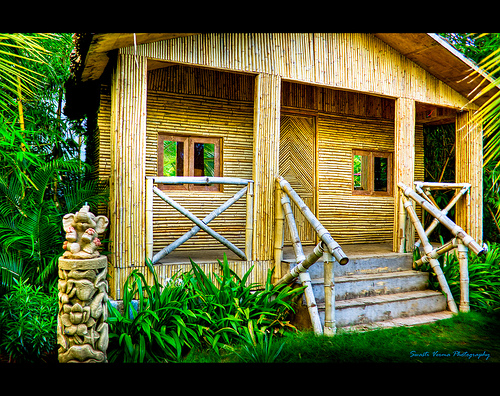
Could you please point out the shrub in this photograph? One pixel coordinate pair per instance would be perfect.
(28, 323)
(194, 310)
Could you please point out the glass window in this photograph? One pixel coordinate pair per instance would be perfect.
(372, 173)
(173, 158)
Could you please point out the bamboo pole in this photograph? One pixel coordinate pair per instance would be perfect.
(443, 219)
(199, 180)
(174, 245)
(428, 248)
(149, 218)
(249, 222)
(464, 277)
(436, 252)
(330, 327)
(199, 223)
(323, 234)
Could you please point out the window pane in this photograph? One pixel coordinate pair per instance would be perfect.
(380, 165)
(204, 155)
(173, 158)
(361, 171)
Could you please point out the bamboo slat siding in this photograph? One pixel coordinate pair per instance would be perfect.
(176, 114)
(128, 153)
(297, 166)
(265, 165)
(469, 169)
(353, 61)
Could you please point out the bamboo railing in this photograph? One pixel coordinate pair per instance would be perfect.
(327, 247)
(151, 189)
(462, 241)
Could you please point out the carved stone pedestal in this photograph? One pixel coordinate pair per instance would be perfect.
(82, 331)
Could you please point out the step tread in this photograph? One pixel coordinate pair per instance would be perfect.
(373, 276)
(398, 322)
(384, 298)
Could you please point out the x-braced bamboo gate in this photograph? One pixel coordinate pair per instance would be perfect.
(462, 241)
(199, 224)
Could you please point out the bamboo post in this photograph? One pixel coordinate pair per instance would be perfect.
(443, 219)
(279, 231)
(199, 223)
(330, 327)
(322, 232)
(249, 222)
(464, 277)
(428, 248)
(305, 278)
(174, 245)
(292, 226)
(149, 218)
(402, 228)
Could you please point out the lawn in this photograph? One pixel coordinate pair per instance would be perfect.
(465, 338)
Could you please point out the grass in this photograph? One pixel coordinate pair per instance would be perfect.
(466, 338)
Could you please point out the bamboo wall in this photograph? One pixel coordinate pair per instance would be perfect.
(352, 61)
(469, 169)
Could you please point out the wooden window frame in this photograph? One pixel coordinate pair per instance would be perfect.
(371, 154)
(189, 142)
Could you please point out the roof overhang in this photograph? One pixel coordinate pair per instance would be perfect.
(434, 54)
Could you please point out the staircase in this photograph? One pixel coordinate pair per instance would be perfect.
(376, 289)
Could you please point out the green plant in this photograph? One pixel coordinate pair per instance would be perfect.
(228, 304)
(484, 277)
(258, 346)
(28, 321)
(162, 327)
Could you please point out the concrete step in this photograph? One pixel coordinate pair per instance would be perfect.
(407, 322)
(379, 308)
(365, 285)
(361, 265)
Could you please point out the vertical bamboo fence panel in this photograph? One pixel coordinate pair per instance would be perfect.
(265, 166)
(404, 169)
(469, 169)
(128, 154)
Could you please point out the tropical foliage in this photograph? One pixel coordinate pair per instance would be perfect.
(196, 310)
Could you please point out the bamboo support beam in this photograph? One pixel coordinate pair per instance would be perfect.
(322, 232)
(149, 219)
(443, 219)
(435, 253)
(428, 248)
(249, 222)
(292, 226)
(279, 231)
(464, 277)
(199, 223)
(174, 245)
(330, 326)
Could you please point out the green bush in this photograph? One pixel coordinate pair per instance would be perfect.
(28, 323)
(193, 310)
(484, 278)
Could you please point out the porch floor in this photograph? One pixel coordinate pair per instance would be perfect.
(211, 255)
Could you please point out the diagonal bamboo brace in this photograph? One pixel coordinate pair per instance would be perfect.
(303, 265)
(456, 230)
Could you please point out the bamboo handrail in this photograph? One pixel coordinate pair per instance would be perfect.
(322, 232)
(199, 224)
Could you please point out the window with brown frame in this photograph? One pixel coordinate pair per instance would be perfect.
(189, 156)
(372, 173)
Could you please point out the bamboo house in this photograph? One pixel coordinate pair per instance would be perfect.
(200, 133)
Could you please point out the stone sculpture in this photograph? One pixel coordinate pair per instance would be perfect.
(82, 331)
